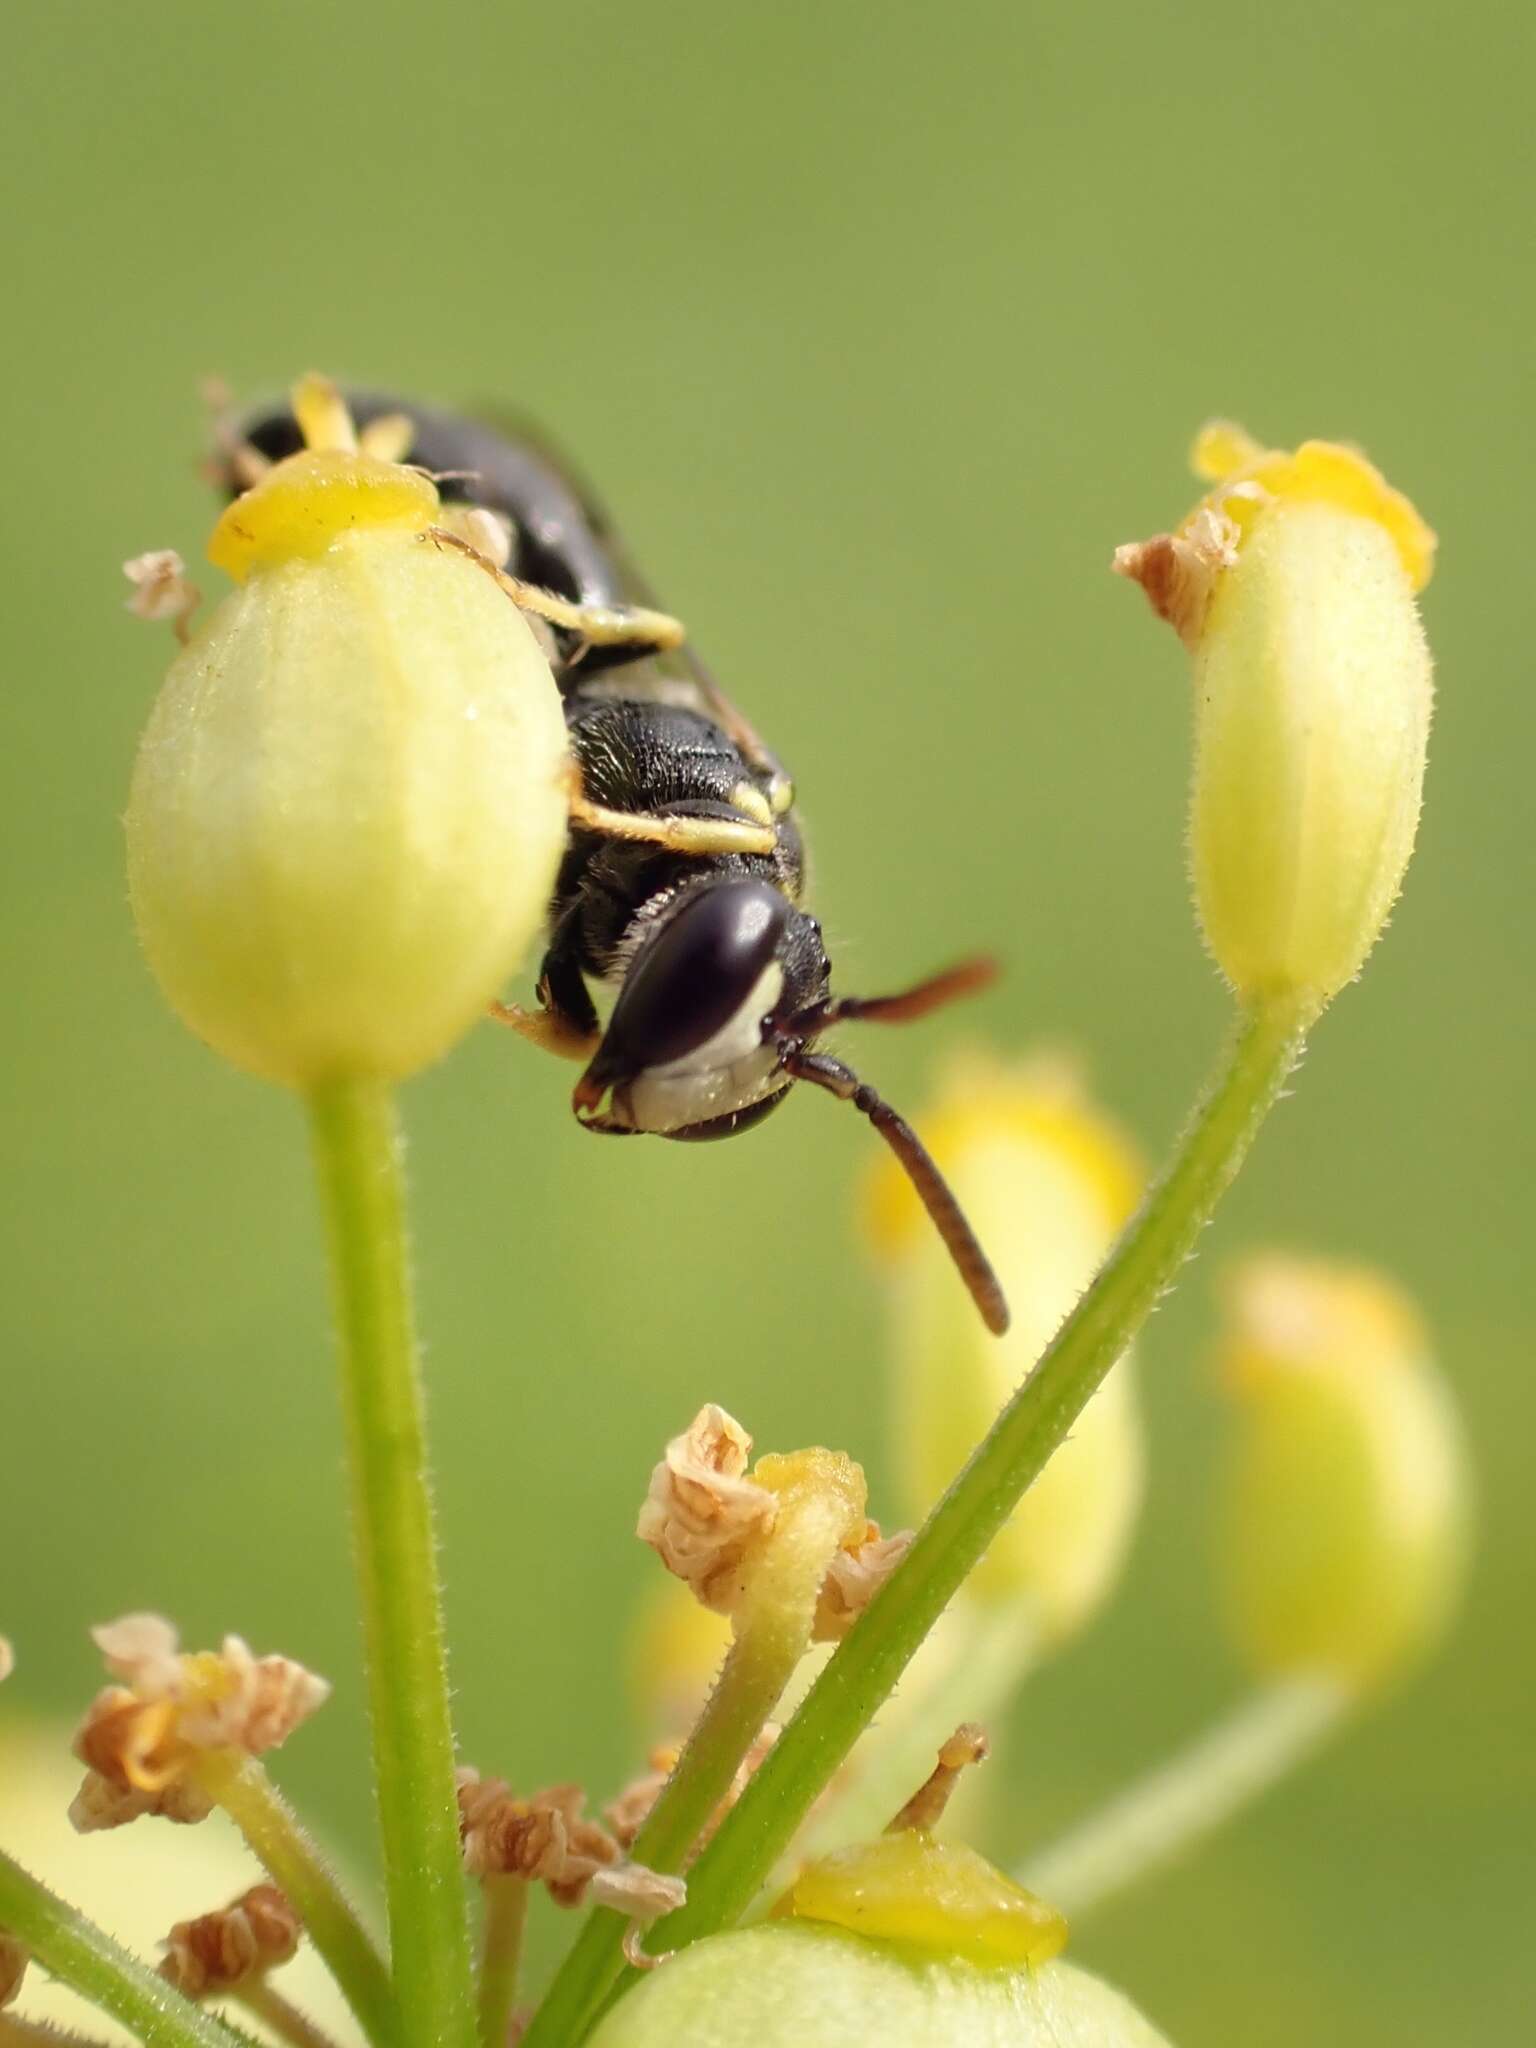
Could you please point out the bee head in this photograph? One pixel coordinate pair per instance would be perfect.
(692, 1049)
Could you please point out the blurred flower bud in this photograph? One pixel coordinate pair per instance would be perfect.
(1047, 1181)
(789, 1985)
(1293, 586)
(1345, 1522)
(349, 801)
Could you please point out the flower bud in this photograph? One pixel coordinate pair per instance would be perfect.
(1346, 1512)
(1293, 586)
(349, 802)
(788, 1985)
(1047, 1181)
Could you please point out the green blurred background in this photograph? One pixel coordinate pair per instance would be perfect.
(880, 325)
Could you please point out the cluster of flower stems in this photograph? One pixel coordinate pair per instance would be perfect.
(427, 1990)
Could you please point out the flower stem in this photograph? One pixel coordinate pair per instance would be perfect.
(1187, 1798)
(882, 1642)
(358, 1157)
(773, 1631)
(501, 1956)
(259, 1811)
(284, 2019)
(89, 1961)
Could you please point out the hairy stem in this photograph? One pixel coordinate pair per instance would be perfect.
(284, 2019)
(773, 1630)
(19, 2033)
(1128, 1287)
(296, 1867)
(501, 1956)
(81, 1955)
(1176, 1806)
(358, 1158)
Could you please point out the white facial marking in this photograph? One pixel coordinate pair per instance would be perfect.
(728, 1072)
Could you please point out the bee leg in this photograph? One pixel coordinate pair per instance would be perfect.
(598, 625)
(699, 836)
(566, 1021)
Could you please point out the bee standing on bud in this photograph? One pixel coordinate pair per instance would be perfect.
(683, 883)
(1293, 584)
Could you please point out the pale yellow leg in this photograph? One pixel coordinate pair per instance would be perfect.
(600, 625)
(678, 835)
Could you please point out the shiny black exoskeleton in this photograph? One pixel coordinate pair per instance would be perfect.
(682, 881)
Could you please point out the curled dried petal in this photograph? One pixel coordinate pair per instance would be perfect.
(643, 1896)
(142, 1650)
(140, 1738)
(639, 1894)
(853, 1578)
(702, 1514)
(160, 586)
(265, 1700)
(546, 1837)
(1178, 571)
(628, 1813)
(219, 1950)
(100, 1804)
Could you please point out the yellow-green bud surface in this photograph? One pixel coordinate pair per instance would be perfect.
(785, 1985)
(348, 806)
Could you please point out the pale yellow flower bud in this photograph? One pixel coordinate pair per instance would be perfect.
(1344, 1532)
(1047, 1181)
(787, 1985)
(350, 801)
(1293, 586)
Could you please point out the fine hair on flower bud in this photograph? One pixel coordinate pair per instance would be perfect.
(787, 1984)
(1293, 585)
(350, 800)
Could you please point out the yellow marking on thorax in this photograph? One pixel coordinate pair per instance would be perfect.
(747, 797)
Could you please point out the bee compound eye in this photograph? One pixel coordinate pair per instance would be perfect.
(688, 982)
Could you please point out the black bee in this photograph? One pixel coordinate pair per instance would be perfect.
(682, 881)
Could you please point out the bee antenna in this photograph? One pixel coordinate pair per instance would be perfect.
(933, 1191)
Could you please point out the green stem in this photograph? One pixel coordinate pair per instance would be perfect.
(81, 1955)
(358, 1157)
(773, 1630)
(284, 2019)
(295, 1865)
(1187, 1798)
(1128, 1287)
(501, 1956)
